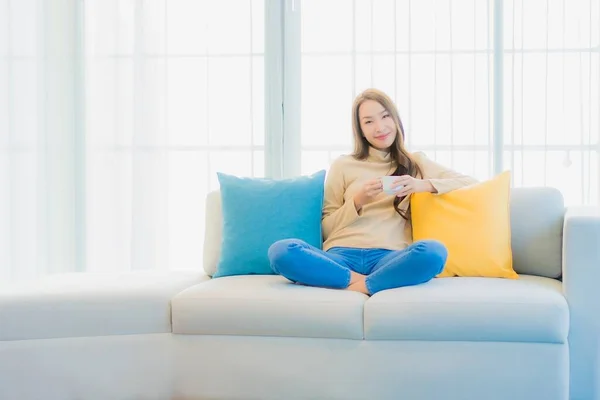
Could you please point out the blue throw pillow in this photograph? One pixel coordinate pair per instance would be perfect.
(258, 211)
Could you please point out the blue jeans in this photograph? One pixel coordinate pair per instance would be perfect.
(385, 269)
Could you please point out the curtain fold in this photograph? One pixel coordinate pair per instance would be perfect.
(37, 139)
(174, 93)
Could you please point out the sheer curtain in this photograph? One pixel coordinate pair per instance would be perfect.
(174, 93)
(114, 117)
(39, 208)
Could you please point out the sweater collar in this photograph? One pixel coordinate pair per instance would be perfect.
(379, 155)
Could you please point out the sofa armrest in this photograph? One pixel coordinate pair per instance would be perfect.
(581, 285)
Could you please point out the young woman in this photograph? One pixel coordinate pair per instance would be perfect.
(367, 233)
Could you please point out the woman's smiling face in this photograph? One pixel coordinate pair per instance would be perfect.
(377, 124)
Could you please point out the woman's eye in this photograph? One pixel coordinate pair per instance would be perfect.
(386, 115)
(367, 123)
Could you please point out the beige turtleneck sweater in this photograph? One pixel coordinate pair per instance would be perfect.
(378, 225)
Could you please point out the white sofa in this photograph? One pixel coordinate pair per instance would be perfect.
(182, 335)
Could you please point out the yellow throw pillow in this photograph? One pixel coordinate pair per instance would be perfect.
(474, 224)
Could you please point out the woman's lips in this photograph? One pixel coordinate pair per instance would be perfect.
(382, 137)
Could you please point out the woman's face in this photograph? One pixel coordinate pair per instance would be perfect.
(377, 124)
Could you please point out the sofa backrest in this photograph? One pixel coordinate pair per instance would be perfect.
(536, 231)
(213, 232)
(537, 216)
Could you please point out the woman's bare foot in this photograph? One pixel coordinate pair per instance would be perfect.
(357, 283)
(355, 277)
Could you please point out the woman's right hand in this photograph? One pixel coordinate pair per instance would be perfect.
(367, 193)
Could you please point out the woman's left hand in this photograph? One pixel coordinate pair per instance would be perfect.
(412, 185)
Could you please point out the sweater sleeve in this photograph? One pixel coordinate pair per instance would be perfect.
(443, 179)
(337, 214)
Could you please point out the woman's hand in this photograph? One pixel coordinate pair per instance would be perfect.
(412, 185)
(367, 193)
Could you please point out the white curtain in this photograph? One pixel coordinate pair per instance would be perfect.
(114, 117)
(39, 208)
(174, 93)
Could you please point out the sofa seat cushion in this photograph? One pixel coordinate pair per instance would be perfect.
(267, 305)
(91, 304)
(529, 309)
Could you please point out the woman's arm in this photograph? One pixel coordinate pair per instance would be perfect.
(337, 214)
(441, 178)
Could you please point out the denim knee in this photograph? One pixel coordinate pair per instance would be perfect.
(434, 252)
(279, 251)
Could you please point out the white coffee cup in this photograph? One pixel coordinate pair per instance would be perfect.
(387, 182)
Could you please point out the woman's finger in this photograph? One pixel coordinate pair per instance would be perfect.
(404, 191)
(403, 178)
(375, 185)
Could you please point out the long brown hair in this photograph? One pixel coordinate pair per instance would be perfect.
(402, 162)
